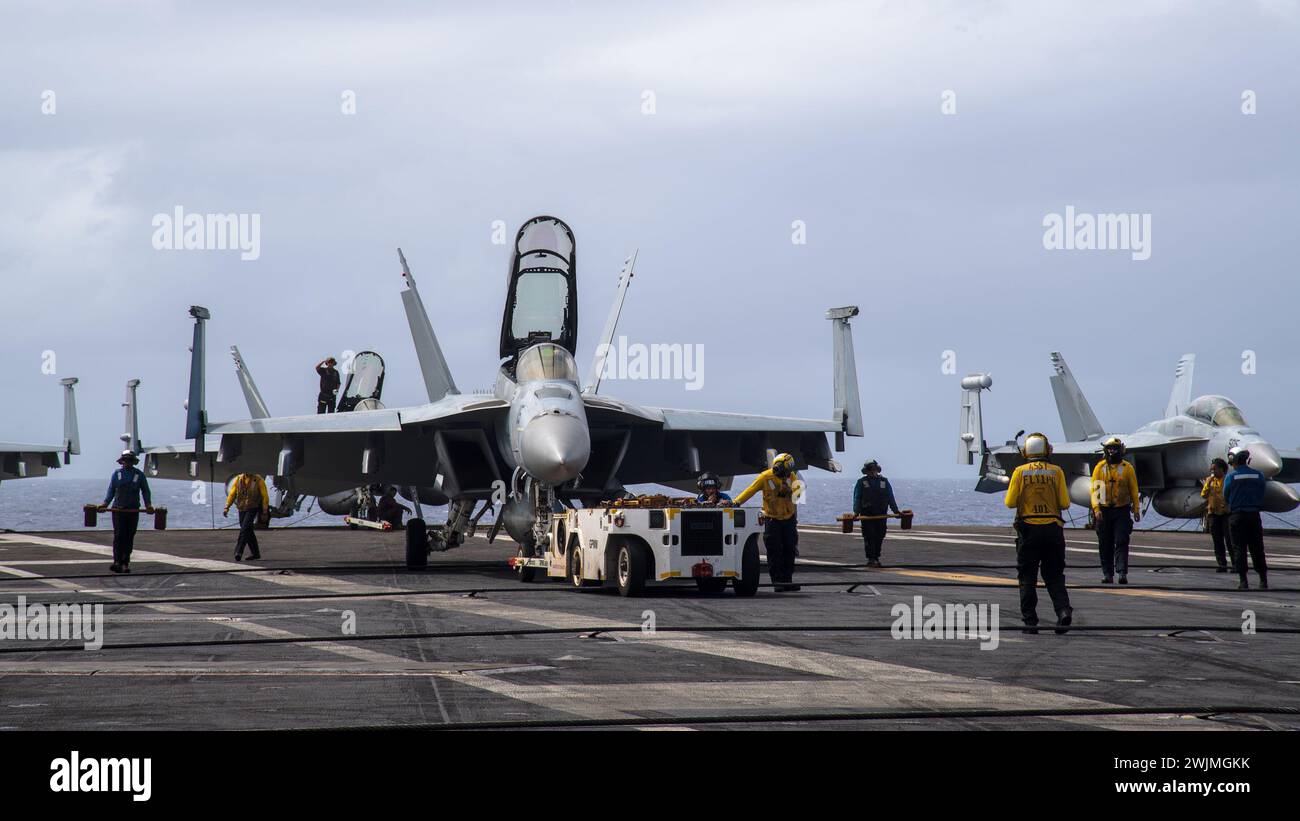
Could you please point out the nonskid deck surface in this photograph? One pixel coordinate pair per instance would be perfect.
(194, 640)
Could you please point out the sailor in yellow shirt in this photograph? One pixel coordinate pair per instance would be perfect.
(248, 494)
(781, 488)
(1216, 513)
(1039, 496)
(1114, 498)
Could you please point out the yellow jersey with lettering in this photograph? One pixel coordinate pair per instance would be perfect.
(1038, 494)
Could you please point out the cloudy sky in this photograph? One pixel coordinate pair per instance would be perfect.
(697, 133)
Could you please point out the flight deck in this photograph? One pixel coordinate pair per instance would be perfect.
(331, 630)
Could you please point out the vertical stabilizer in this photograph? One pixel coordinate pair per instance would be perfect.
(611, 324)
(252, 396)
(1181, 396)
(433, 365)
(1078, 422)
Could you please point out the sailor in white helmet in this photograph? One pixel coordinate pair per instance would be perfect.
(1039, 496)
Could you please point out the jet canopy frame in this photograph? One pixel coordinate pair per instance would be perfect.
(542, 289)
(365, 385)
(1219, 411)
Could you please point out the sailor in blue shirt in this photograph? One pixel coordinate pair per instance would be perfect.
(873, 496)
(710, 487)
(124, 491)
(1243, 490)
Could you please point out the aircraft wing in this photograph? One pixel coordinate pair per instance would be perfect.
(637, 444)
(13, 447)
(21, 461)
(449, 444)
(179, 461)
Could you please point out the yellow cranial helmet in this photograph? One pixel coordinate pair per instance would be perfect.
(783, 464)
(1036, 446)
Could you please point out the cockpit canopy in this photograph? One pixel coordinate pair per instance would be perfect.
(546, 361)
(365, 383)
(1216, 410)
(542, 289)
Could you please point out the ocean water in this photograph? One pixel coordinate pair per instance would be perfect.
(51, 503)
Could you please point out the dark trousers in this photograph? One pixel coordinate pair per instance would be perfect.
(781, 538)
(1248, 537)
(326, 402)
(124, 527)
(1113, 531)
(873, 534)
(1217, 525)
(1040, 548)
(247, 536)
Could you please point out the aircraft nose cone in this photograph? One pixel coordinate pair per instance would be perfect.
(1264, 458)
(555, 448)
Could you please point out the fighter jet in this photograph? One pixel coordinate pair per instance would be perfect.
(1172, 454)
(361, 391)
(537, 439)
(19, 461)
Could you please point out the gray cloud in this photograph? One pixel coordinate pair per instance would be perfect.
(827, 113)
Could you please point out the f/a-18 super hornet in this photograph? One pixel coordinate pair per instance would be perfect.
(1171, 455)
(361, 391)
(20, 461)
(538, 439)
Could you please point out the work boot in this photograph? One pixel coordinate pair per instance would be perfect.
(1123, 579)
(1243, 585)
(1031, 628)
(1064, 619)
(115, 567)
(239, 557)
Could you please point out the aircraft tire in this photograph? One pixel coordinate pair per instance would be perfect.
(417, 545)
(526, 574)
